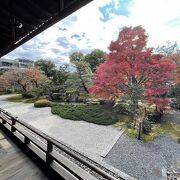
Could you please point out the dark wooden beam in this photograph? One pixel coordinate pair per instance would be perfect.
(19, 13)
(49, 6)
(37, 8)
(65, 12)
(12, 23)
(33, 10)
(61, 5)
(5, 14)
(13, 29)
(5, 35)
(4, 38)
(26, 16)
(4, 28)
(28, 25)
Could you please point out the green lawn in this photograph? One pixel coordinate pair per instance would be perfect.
(167, 127)
(19, 98)
(97, 114)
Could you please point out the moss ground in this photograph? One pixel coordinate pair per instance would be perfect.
(19, 98)
(167, 127)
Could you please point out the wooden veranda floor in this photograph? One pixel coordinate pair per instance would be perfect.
(16, 165)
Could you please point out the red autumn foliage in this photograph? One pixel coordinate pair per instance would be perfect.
(34, 75)
(129, 64)
(25, 78)
(176, 59)
(4, 84)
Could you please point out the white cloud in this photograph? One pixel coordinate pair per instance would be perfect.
(153, 15)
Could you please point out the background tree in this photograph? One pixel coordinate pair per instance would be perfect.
(83, 69)
(17, 77)
(60, 76)
(24, 78)
(133, 70)
(46, 66)
(2, 71)
(95, 58)
(43, 88)
(73, 83)
(4, 83)
(34, 75)
(171, 51)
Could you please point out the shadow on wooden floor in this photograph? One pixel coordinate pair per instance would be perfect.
(19, 162)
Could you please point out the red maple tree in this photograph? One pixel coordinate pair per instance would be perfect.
(24, 78)
(133, 69)
(4, 84)
(34, 75)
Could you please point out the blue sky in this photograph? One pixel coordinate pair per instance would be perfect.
(99, 22)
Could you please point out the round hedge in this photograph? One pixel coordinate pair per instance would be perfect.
(42, 103)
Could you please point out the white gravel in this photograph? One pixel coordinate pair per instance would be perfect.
(145, 161)
(88, 138)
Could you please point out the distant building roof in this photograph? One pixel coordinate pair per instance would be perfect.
(7, 60)
(24, 59)
(16, 63)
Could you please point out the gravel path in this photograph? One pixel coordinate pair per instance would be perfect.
(145, 161)
(86, 137)
(172, 115)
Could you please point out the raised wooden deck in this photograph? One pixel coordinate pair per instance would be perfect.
(55, 159)
(16, 165)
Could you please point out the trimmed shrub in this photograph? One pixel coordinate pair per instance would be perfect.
(97, 114)
(15, 98)
(72, 96)
(8, 91)
(155, 117)
(147, 126)
(175, 103)
(42, 103)
(82, 98)
(122, 107)
(27, 94)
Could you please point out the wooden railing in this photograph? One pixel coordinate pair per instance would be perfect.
(70, 164)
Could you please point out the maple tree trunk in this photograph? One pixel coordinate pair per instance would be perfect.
(23, 86)
(160, 112)
(83, 84)
(135, 111)
(134, 98)
(140, 131)
(36, 84)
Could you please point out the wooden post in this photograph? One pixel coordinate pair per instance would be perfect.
(140, 131)
(13, 129)
(26, 140)
(3, 121)
(49, 159)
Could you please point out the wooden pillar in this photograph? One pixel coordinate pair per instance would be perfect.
(49, 159)
(140, 131)
(3, 121)
(13, 129)
(26, 140)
